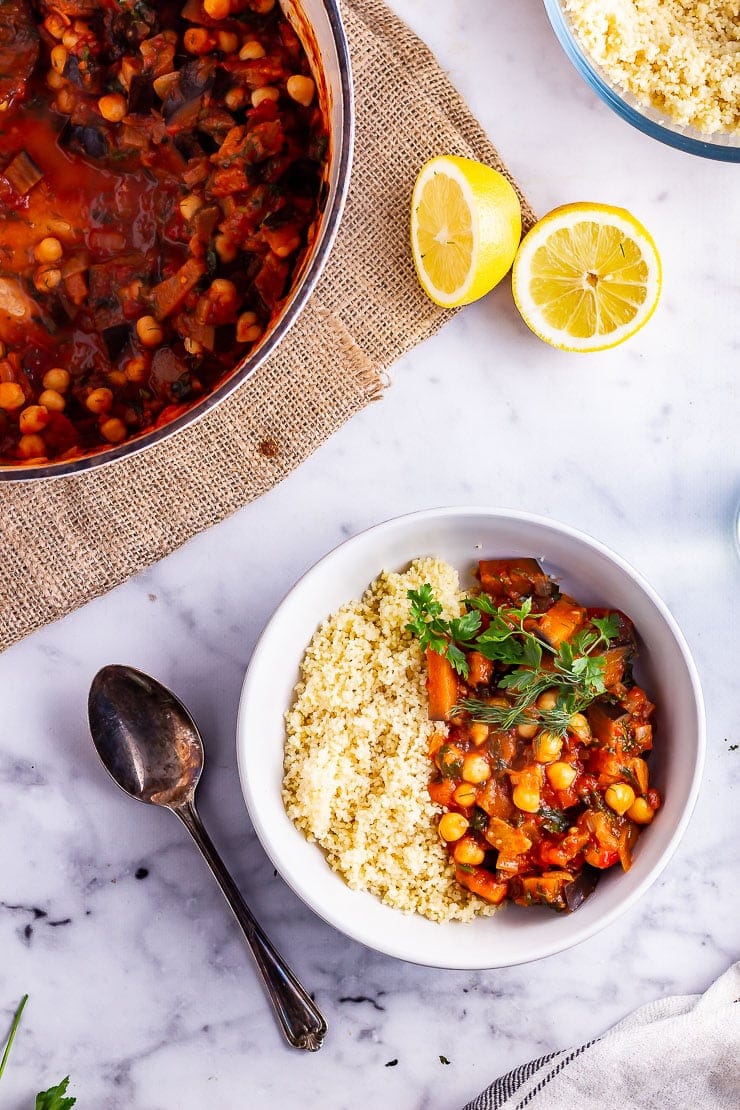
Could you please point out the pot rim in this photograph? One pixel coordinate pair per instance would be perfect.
(344, 144)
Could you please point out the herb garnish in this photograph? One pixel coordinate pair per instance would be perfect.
(575, 671)
(554, 820)
(56, 1097)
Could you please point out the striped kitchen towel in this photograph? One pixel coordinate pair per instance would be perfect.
(674, 1054)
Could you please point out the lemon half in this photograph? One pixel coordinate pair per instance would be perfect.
(587, 277)
(466, 223)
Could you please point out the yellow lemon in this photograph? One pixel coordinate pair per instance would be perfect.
(466, 223)
(587, 277)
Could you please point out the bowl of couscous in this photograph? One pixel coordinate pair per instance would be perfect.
(671, 68)
(335, 724)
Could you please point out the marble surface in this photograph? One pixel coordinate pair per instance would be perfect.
(140, 985)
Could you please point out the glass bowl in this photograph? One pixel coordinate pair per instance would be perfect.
(722, 146)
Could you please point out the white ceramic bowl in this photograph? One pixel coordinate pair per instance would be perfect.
(594, 575)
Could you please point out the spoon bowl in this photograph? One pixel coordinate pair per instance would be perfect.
(145, 737)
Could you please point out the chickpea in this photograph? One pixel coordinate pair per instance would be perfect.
(11, 396)
(149, 331)
(579, 725)
(468, 852)
(99, 401)
(57, 379)
(251, 335)
(196, 40)
(560, 775)
(189, 205)
(227, 252)
(547, 746)
(547, 699)
(527, 732)
(262, 7)
(475, 769)
(224, 293)
(54, 80)
(478, 732)
(235, 98)
(65, 102)
(136, 370)
(55, 25)
(267, 92)
(217, 9)
(48, 250)
(452, 826)
(251, 51)
(117, 378)
(52, 400)
(113, 107)
(31, 447)
(114, 430)
(465, 794)
(33, 419)
(70, 39)
(301, 89)
(47, 278)
(641, 812)
(58, 57)
(619, 797)
(525, 798)
(227, 42)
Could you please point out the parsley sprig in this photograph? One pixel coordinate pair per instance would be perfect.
(55, 1098)
(575, 669)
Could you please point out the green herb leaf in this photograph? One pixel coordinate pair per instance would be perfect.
(554, 820)
(54, 1098)
(12, 1033)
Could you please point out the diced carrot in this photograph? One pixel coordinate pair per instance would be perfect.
(480, 669)
(607, 722)
(482, 883)
(495, 799)
(547, 888)
(441, 686)
(562, 621)
(441, 792)
(615, 660)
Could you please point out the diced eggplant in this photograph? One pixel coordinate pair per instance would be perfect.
(194, 79)
(19, 47)
(584, 884)
(116, 337)
(140, 95)
(84, 139)
(22, 173)
(168, 295)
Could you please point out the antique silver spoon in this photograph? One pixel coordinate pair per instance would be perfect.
(151, 747)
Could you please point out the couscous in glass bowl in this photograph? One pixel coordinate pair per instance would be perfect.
(722, 145)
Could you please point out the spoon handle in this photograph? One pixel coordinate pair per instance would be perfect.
(299, 1017)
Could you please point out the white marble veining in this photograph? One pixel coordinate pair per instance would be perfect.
(140, 985)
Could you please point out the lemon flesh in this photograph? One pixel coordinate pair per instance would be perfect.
(466, 225)
(587, 277)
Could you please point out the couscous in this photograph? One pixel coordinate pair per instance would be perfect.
(679, 56)
(356, 757)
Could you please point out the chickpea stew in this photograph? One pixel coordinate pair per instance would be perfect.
(541, 773)
(161, 179)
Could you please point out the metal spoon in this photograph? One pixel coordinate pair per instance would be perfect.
(151, 747)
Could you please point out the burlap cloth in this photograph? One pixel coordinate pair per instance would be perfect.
(67, 540)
